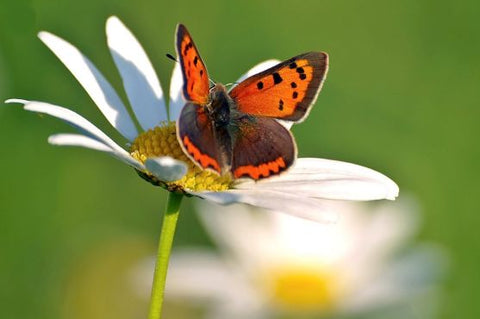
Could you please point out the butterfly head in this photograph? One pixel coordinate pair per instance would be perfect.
(217, 91)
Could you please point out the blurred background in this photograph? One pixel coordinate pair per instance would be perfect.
(401, 97)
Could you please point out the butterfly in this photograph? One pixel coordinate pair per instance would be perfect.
(236, 132)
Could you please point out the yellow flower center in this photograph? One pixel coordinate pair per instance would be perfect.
(301, 288)
(162, 141)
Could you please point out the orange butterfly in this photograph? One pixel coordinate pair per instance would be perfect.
(237, 131)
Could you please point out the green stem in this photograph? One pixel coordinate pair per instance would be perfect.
(164, 247)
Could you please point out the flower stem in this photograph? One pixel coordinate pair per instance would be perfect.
(164, 247)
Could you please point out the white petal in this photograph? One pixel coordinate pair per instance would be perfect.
(385, 228)
(286, 124)
(228, 225)
(80, 123)
(177, 101)
(201, 276)
(400, 281)
(99, 89)
(67, 139)
(87, 142)
(257, 69)
(139, 78)
(166, 168)
(289, 203)
(329, 179)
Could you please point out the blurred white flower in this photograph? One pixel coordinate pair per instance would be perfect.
(276, 264)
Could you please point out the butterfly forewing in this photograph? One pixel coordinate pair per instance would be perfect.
(285, 91)
(195, 76)
(262, 147)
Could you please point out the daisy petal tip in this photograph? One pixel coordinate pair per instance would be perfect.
(166, 168)
(393, 189)
(45, 36)
(16, 101)
(61, 139)
(393, 195)
(53, 139)
(113, 19)
(113, 24)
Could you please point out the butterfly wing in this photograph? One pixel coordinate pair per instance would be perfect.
(195, 76)
(262, 147)
(285, 91)
(196, 134)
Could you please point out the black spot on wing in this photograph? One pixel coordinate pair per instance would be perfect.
(260, 85)
(293, 85)
(280, 105)
(295, 95)
(302, 76)
(292, 65)
(187, 47)
(277, 78)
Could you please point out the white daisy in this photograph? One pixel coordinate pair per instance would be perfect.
(276, 264)
(156, 155)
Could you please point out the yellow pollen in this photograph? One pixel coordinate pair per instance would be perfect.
(162, 141)
(300, 288)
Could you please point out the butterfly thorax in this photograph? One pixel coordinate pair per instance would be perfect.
(219, 105)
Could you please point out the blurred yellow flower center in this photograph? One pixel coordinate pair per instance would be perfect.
(162, 141)
(303, 289)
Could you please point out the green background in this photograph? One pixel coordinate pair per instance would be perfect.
(401, 97)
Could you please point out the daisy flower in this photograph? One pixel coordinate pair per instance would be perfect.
(154, 152)
(275, 264)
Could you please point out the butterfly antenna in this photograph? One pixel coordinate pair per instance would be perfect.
(212, 82)
(171, 57)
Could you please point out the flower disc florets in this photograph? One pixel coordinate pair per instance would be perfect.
(162, 141)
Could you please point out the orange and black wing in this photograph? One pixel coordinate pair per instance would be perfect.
(262, 148)
(285, 91)
(195, 76)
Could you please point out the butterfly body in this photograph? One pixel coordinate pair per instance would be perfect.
(237, 131)
(220, 106)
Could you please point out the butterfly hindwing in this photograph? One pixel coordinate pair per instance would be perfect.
(196, 135)
(261, 147)
(195, 76)
(285, 91)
